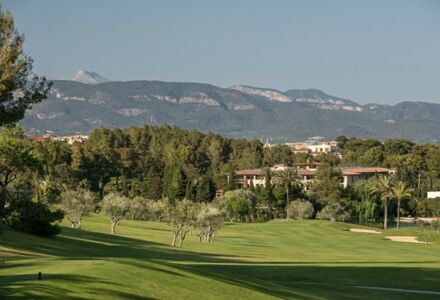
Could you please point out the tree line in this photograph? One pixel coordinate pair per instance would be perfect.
(167, 173)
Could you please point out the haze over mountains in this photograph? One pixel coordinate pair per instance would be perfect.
(89, 101)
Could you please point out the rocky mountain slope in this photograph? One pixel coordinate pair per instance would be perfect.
(239, 111)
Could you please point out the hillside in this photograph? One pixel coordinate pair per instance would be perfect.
(279, 260)
(239, 111)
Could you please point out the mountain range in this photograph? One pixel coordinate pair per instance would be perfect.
(89, 101)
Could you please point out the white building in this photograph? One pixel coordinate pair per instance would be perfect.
(434, 194)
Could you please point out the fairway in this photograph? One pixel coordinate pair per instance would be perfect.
(296, 259)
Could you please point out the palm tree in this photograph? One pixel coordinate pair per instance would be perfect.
(399, 192)
(383, 186)
(287, 178)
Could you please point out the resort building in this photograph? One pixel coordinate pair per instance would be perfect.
(307, 172)
(433, 194)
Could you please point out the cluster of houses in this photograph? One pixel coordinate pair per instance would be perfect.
(306, 173)
(314, 146)
(70, 139)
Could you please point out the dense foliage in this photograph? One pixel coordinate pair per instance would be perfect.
(143, 166)
(18, 91)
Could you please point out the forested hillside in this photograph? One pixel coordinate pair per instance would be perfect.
(239, 111)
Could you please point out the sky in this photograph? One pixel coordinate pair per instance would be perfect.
(366, 51)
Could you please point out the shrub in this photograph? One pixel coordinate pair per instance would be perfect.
(300, 209)
(240, 204)
(33, 218)
(333, 212)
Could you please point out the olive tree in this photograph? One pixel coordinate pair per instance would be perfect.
(77, 204)
(116, 207)
(157, 209)
(300, 209)
(182, 216)
(209, 220)
(138, 208)
(333, 212)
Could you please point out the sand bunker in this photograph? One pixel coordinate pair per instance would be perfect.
(364, 230)
(404, 239)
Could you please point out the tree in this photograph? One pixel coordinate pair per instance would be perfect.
(77, 204)
(367, 200)
(301, 209)
(240, 204)
(138, 208)
(430, 208)
(181, 217)
(116, 207)
(327, 187)
(209, 220)
(205, 190)
(286, 178)
(383, 186)
(333, 212)
(18, 91)
(157, 209)
(33, 218)
(17, 155)
(174, 183)
(399, 192)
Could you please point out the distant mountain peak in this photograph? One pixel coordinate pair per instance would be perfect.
(89, 77)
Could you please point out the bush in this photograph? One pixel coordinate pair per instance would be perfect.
(333, 212)
(239, 204)
(33, 218)
(300, 209)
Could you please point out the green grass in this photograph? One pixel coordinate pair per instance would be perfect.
(300, 260)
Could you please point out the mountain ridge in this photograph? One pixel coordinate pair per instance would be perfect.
(245, 112)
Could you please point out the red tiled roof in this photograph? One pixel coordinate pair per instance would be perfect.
(251, 172)
(308, 164)
(362, 170)
(303, 172)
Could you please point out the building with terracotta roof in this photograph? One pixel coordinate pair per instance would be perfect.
(307, 172)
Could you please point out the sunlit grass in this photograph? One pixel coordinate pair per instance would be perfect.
(295, 259)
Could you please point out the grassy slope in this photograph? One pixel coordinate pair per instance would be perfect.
(247, 261)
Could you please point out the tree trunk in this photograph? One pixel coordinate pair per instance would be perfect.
(173, 244)
(114, 223)
(287, 202)
(398, 215)
(385, 213)
(78, 224)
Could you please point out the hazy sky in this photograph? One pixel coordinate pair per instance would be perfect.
(367, 51)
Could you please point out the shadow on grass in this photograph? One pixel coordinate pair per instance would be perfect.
(328, 282)
(303, 280)
(78, 244)
(27, 286)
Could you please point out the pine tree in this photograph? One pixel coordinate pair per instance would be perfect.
(17, 90)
